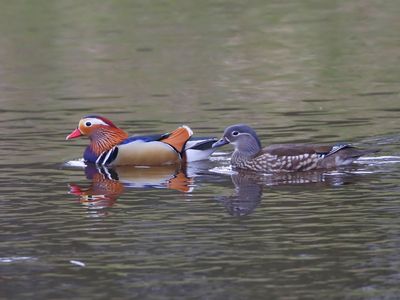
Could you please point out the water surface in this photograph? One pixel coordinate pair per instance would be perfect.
(300, 71)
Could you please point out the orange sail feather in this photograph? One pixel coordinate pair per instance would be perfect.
(178, 138)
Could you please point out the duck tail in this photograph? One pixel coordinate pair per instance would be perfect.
(178, 138)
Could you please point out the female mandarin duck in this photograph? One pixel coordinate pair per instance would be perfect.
(249, 155)
(111, 146)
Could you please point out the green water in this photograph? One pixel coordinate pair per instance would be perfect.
(297, 71)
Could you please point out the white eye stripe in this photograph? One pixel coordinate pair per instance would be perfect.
(93, 121)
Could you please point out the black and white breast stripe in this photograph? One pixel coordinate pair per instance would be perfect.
(107, 157)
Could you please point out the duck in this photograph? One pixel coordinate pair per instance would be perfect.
(248, 153)
(111, 146)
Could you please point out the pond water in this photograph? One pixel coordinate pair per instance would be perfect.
(297, 71)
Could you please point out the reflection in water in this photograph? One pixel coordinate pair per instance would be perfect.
(249, 186)
(108, 184)
(247, 195)
(103, 192)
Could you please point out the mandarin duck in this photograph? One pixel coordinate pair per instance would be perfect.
(111, 146)
(249, 155)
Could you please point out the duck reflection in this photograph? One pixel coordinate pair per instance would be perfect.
(249, 186)
(246, 197)
(108, 184)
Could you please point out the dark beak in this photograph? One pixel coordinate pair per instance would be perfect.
(221, 142)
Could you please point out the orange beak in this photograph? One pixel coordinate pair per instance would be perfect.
(74, 134)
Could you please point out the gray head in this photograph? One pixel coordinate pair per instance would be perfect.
(242, 137)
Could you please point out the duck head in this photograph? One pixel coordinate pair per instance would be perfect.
(103, 134)
(242, 137)
(91, 125)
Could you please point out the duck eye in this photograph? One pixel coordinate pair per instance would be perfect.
(88, 124)
(235, 133)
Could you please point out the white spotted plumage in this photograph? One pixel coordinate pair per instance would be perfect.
(250, 155)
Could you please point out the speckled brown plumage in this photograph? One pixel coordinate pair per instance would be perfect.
(249, 155)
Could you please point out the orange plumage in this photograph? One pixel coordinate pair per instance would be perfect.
(178, 138)
(110, 145)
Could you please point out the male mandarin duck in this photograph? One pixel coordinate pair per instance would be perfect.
(111, 146)
(249, 154)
